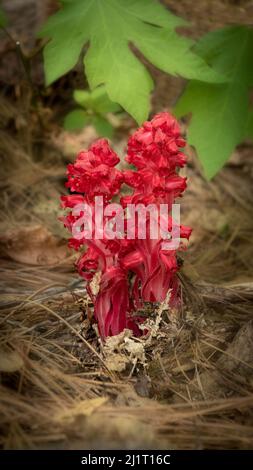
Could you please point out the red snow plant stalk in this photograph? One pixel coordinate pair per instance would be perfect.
(132, 270)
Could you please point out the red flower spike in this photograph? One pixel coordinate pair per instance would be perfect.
(155, 149)
(132, 271)
(112, 302)
(88, 264)
(93, 172)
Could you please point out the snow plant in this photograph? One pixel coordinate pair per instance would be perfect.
(131, 271)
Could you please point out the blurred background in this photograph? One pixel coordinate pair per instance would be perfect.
(195, 389)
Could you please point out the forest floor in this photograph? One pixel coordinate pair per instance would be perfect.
(189, 385)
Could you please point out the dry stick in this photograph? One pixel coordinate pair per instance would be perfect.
(227, 354)
(180, 366)
(175, 413)
(28, 299)
(36, 379)
(43, 352)
(49, 438)
(12, 401)
(102, 384)
(24, 60)
(64, 351)
(74, 331)
(26, 354)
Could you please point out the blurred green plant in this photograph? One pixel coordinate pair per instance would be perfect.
(221, 114)
(249, 125)
(107, 28)
(94, 107)
(219, 68)
(3, 19)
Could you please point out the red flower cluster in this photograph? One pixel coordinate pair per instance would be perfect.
(93, 172)
(155, 150)
(132, 270)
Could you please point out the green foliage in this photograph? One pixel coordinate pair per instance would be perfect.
(94, 107)
(108, 27)
(220, 113)
(103, 126)
(249, 126)
(3, 19)
(76, 120)
(97, 100)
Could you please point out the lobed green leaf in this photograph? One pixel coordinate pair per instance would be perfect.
(220, 112)
(76, 120)
(107, 29)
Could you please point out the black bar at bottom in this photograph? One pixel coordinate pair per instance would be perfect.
(117, 459)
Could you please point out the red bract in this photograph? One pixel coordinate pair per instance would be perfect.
(93, 172)
(155, 149)
(132, 271)
(112, 302)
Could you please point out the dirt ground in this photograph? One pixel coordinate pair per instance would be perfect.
(189, 385)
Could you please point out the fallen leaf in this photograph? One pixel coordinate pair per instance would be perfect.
(83, 408)
(116, 362)
(136, 350)
(70, 143)
(122, 350)
(95, 283)
(33, 245)
(10, 361)
(143, 386)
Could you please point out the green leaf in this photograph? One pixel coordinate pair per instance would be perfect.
(76, 120)
(3, 18)
(96, 100)
(249, 126)
(83, 98)
(103, 126)
(229, 51)
(217, 123)
(110, 26)
(219, 112)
